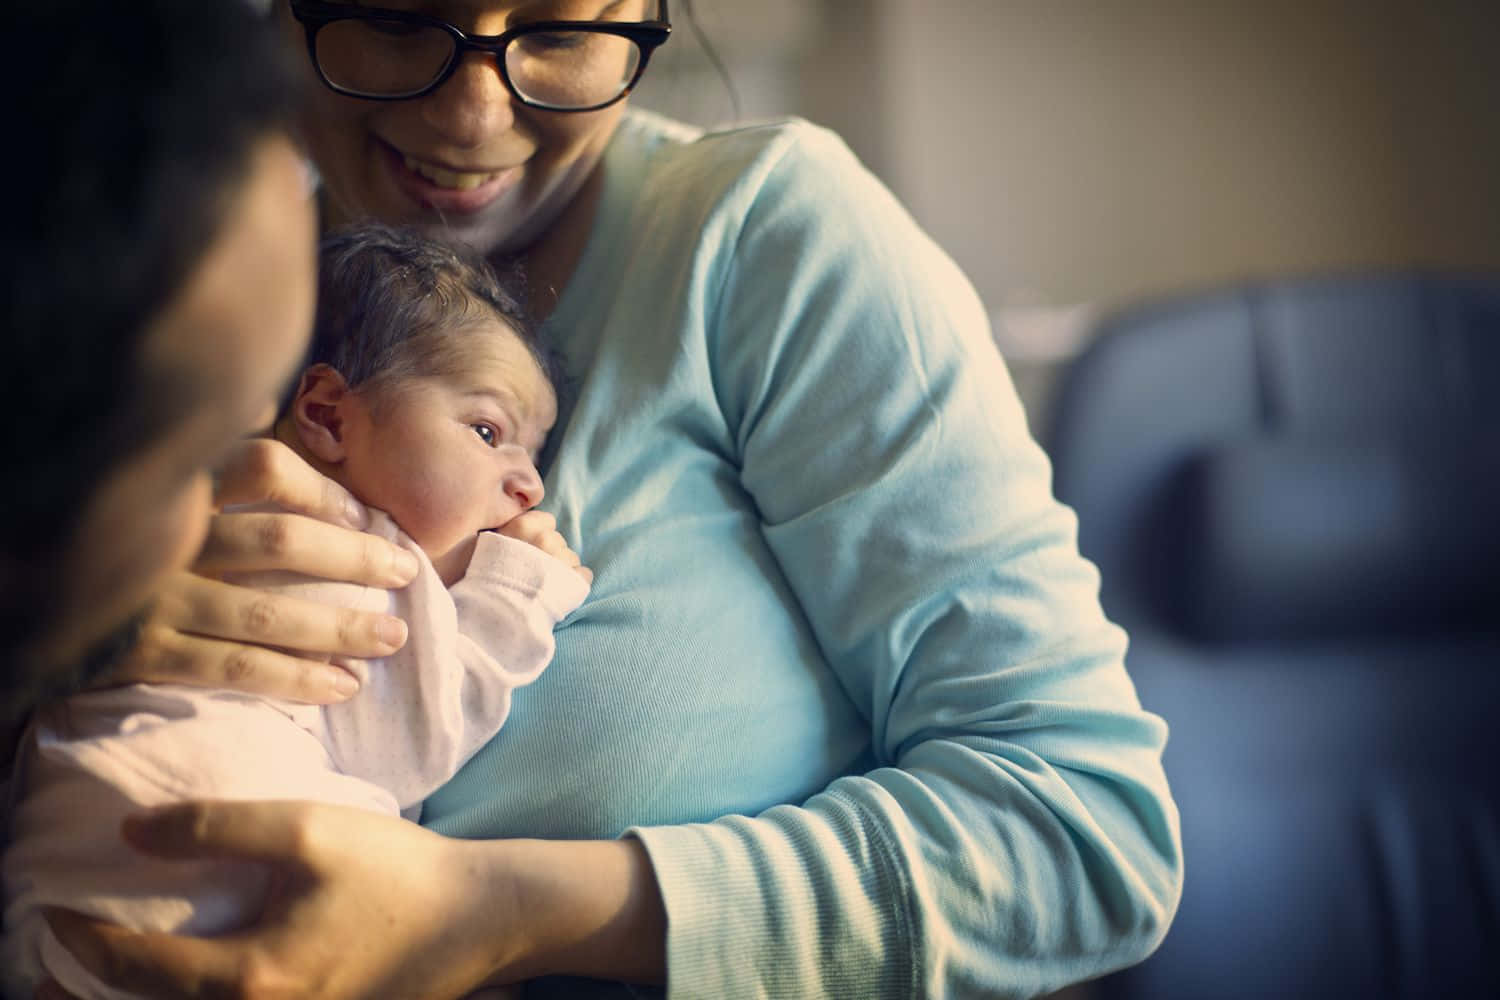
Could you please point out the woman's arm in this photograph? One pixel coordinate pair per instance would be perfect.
(205, 632)
(1014, 831)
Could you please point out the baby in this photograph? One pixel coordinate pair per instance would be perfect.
(428, 397)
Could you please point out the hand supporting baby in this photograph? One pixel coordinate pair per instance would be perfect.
(203, 631)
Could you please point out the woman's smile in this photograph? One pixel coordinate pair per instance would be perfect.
(445, 188)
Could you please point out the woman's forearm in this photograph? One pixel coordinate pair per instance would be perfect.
(582, 908)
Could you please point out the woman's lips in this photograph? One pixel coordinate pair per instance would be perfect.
(456, 192)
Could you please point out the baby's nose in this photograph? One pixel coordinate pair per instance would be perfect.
(524, 487)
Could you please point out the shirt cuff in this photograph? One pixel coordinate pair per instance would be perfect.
(507, 562)
(775, 907)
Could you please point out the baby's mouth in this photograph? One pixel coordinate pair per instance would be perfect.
(453, 180)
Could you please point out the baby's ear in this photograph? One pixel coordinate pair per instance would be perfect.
(318, 412)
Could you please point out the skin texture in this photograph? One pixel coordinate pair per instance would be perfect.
(446, 456)
(201, 631)
(470, 125)
(451, 916)
(507, 910)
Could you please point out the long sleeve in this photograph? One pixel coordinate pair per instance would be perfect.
(423, 711)
(93, 759)
(1015, 832)
(432, 704)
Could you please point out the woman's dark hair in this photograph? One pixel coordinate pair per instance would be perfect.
(395, 304)
(136, 126)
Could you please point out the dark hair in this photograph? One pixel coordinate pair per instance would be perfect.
(395, 304)
(137, 121)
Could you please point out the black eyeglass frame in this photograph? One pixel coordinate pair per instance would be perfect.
(314, 15)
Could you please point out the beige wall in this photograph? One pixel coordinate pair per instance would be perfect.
(1098, 151)
(1079, 155)
(1088, 150)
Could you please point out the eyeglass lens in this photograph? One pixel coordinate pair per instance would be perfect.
(559, 69)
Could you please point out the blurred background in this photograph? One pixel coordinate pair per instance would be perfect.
(1243, 258)
(1075, 156)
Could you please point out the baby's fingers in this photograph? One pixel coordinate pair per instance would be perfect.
(530, 526)
(538, 529)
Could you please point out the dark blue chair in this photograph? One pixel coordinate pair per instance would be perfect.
(1292, 491)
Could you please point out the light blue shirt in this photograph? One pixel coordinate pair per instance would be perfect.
(842, 671)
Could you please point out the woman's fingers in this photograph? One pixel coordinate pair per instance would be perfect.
(253, 831)
(265, 471)
(319, 544)
(249, 542)
(164, 656)
(207, 607)
(169, 966)
(143, 964)
(211, 633)
(360, 906)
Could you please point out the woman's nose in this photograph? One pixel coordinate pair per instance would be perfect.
(473, 106)
(524, 487)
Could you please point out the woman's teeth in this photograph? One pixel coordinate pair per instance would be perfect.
(452, 179)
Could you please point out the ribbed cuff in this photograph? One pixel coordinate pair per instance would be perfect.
(502, 560)
(792, 904)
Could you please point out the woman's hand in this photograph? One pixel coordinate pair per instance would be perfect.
(206, 632)
(361, 905)
(373, 907)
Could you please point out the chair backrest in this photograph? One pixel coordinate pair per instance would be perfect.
(1292, 491)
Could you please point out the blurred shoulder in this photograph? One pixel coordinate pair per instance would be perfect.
(745, 156)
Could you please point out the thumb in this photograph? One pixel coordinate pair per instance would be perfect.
(256, 831)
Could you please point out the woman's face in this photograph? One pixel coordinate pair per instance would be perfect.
(465, 161)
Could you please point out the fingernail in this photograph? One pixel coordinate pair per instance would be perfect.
(355, 513)
(405, 566)
(392, 632)
(344, 684)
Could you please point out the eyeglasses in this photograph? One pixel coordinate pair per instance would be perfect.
(394, 55)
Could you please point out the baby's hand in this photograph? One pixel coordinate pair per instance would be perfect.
(539, 529)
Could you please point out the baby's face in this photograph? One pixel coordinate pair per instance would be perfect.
(449, 456)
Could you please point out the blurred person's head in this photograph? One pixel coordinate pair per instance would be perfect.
(428, 394)
(466, 142)
(159, 254)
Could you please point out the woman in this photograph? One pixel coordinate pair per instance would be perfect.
(842, 716)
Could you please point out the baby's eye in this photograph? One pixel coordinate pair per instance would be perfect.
(487, 434)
